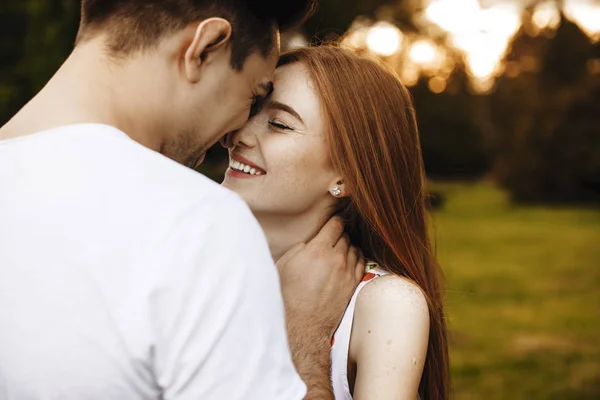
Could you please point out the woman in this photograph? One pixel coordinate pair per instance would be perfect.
(338, 136)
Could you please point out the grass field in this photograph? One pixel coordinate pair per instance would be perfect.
(523, 295)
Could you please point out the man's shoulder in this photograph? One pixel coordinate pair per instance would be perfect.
(146, 171)
(97, 160)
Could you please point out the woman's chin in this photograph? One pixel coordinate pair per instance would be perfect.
(230, 184)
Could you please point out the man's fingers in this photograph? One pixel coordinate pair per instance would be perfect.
(343, 245)
(330, 234)
(352, 257)
(359, 269)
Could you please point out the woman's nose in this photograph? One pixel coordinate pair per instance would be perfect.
(239, 138)
(244, 137)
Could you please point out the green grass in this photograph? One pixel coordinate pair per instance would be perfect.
(523, 295)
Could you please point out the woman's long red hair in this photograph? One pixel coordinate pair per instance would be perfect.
(374, 144)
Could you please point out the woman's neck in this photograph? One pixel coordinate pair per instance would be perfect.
(284, 231)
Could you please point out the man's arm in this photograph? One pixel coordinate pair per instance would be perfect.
(318, 279)
(311, 353)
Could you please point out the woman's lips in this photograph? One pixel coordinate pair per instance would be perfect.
(242, 175)
(242, 164)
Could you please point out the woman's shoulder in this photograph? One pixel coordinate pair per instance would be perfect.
(389, 338)
(390, 288)
(391, 303)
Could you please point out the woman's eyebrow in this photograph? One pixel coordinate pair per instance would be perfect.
(276, 105)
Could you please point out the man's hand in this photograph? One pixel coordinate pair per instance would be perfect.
(318, 279)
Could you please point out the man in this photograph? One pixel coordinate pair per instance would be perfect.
(125, 275)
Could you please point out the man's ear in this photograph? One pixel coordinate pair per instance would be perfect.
(211, 34)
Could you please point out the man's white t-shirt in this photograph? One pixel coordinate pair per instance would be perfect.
(124, 275)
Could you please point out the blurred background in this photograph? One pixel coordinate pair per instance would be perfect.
(507, 94)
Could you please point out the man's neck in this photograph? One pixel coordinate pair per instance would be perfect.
(89, 89)
(284, 231)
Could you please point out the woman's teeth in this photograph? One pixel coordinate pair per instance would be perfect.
(241, 167)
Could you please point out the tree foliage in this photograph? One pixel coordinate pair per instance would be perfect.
(36, 37)
(548, 138)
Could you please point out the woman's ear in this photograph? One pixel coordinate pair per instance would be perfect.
(337, 188)
(211, 35)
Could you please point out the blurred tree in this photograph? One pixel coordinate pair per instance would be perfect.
(52, 27)
(451, 139)
(13, 28)
(544, 108)
(575, 149)
(334, 17)
(37, 36)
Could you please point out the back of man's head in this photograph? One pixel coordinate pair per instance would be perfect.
(136, 25)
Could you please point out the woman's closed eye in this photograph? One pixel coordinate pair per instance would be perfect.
(279, 125)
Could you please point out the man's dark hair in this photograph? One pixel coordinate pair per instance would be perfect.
(134, 25)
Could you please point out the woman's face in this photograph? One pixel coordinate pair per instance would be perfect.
(282, 150)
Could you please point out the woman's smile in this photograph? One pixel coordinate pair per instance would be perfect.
(240, 167)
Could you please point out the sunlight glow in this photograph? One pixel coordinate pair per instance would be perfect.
(384, 38)
(453, 15)
(410, 74)
(482, 33)
(423, 52)
(296, 41)
(357, 34)
(482, 30)
(429, 57)
(546, 15)
(587, 15)
(437, 84)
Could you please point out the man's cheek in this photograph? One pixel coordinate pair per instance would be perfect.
(239, 119)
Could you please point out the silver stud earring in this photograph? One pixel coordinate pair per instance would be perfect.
(336, 191)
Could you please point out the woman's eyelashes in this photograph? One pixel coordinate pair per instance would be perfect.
(279, 125)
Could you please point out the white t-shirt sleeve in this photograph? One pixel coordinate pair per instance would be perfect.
(218, 312)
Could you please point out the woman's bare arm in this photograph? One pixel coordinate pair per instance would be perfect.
(389, 339)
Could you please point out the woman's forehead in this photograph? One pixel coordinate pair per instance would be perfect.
(294, 87)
